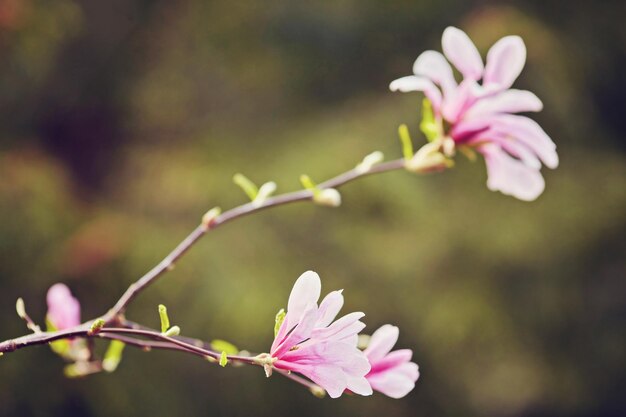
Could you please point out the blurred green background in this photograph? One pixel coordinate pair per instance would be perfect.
(123, 121)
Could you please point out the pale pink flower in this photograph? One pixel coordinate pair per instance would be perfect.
(392, 373)
(63, 308)
(311, 343)
(482, 115)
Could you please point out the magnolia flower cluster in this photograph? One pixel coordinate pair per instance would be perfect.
(481, 116)
(311, 342)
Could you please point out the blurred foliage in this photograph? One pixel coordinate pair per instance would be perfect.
(122, 122)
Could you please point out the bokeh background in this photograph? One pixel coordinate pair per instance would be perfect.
(122, 121)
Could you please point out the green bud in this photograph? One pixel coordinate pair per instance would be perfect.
(223, 359)
(307, 183)
(113, 356)
(363, 341)
(328, 197)
(278, 321)
(405, 139)
(96, 326)
(20, 308)
(172, 331)
(265, 191)
(246, 185)
(81, 368)
(165, 320)
(318, 391)
(210, 216)
(369, 161)
(428, 125)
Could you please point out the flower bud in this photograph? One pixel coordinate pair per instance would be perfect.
(63, 308)
(327, 197)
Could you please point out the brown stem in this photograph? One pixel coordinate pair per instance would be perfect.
(232, 214)
(114, 316)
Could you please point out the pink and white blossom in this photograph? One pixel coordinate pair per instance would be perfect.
(392, 373)
(63, 308)
(311, 342)
(482, 116)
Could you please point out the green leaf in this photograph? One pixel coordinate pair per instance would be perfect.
(165, 320)
(224, 346)
(223, 359)
(280, 317)
(113, 356)
(428, 125)
(407, 144)
(246, 185)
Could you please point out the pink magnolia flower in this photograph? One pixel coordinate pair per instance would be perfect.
(392, 373)
(63, 308)
(482, 115)
(311, 343)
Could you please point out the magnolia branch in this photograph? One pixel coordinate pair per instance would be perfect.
(240, 211)
(116, 327)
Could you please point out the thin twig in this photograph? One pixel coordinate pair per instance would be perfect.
(114, 316)
(232, 214)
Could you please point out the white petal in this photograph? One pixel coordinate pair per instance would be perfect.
(461, 51)
(359, 385)
(433, 65)
(508, 101)
(392, 384)
(305, 291)
(413, 83)
(511, 176)
(381, 342)
(505, 61)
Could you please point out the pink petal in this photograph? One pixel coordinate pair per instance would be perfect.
(530, 133)
(465, 130)
(348, 357)
(300, 333)
(508, 101)
(461, 51)
(392, 384)
(511, 176)
(305, 291)
(346, 326)
(63, 308)
(329, 377)
(381, 342)
(460, 100)
(505, 61)
(513, 147)
(409, 369)
(433, 65)
(329, 308)
(413, 83)
(392, 360)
